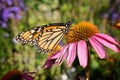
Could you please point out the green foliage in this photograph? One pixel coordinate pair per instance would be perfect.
(25, 57)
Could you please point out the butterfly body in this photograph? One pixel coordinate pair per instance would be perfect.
(45, 37)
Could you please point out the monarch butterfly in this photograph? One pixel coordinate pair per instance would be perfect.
(46, 37)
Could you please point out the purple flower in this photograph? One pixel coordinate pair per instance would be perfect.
(105, 15)
(114, 17)
(3, 24)
(12, 12)
(8, 2)
(10, 9)
(114, 11)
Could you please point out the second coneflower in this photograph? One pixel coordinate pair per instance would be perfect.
(77, 40)
(18, 75)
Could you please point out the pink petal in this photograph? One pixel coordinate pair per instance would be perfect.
(61, 59)
(61, 52)
(48, 64)
(107, 43)
(98, 47)
(107, 38)
(82, 53)
(56, 55)
(71, 54)
(64, 54)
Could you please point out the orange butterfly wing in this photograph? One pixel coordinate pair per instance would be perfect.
(49, 39)
(45, 37)
(30, 36)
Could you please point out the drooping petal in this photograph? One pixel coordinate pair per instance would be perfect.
(82, 53)
(62, 55)
(107, 43)
(98, 47)
(59, 60)
(48, 64)
(56, 55)
(107, 38)
(27, 77)
(71, 54)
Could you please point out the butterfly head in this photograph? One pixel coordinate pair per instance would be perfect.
(68, 24)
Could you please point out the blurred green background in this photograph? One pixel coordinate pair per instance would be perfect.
(13, 55)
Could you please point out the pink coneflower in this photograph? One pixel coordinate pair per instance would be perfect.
(18, 75)
(78, 38)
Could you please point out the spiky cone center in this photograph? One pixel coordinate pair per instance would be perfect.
(14, 74)
(81, 31)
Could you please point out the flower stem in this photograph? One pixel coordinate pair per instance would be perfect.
(87, 70)
(87, 73)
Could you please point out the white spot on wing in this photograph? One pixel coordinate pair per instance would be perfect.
(21, 33)
(39, 30)
(32, 31)
(30, 36)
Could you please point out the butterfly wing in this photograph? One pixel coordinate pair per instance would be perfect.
(50, 38)
(29, 36)
(45, 37)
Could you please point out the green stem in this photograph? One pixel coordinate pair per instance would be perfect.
(87, 70)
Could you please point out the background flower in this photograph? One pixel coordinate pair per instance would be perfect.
(10, 9)
(17, 75)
